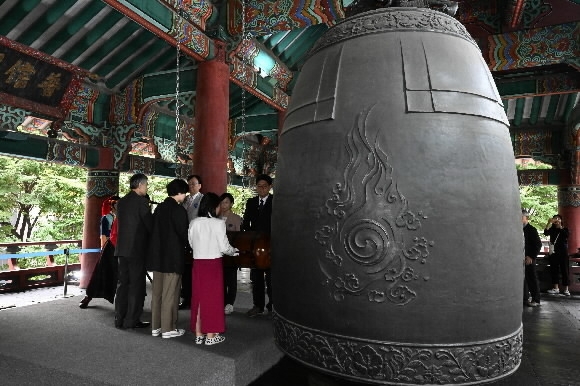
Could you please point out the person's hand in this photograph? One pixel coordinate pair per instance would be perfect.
(529, 260)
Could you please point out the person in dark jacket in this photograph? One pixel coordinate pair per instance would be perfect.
(134, 230)
(257, 217)
(166, 258)
(559, 263)
(532, 246)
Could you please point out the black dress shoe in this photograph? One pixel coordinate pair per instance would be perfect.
(85, 302)
(141, 324)
(119, 324)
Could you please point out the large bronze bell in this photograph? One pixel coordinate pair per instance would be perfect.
(397, 247)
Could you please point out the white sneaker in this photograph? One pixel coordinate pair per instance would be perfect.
(229, 309)
(173, 334)
(566, 293)
(553, 291)
(156, 332)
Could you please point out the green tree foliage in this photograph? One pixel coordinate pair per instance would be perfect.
(542, 200)
(40, 201)
(240, 195)
(45, 202)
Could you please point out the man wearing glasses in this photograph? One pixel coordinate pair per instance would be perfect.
(257, 217)
(191, 205)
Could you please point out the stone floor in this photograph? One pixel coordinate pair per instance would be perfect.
(551, 354)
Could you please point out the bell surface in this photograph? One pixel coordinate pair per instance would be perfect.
(397, 243)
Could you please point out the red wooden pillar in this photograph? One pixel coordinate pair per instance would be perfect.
(569, 208)
(102, 183)
(210, 149)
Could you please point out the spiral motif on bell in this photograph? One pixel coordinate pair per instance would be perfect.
(368, 242)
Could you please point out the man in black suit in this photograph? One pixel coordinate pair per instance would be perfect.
(257, 217)
(135, 224)
(532, 246)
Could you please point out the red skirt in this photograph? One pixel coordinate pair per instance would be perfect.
(207, 295)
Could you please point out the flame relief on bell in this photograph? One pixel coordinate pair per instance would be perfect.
(366, 251)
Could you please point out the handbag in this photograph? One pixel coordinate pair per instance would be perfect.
(551, 246)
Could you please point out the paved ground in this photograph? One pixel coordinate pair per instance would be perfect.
(46, 294)
(551, 352)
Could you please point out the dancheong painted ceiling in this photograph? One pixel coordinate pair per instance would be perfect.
(81, 71)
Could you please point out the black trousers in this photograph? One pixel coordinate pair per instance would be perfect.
(559, 265)
(186, 283)
(531, 283)
(130, 291)
(230, 284)
(258, 290)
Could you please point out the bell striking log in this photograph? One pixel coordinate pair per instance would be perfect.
(397, 247)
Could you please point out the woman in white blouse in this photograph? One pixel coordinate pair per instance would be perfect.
(207, 237)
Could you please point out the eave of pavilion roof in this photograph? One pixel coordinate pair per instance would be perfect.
(93, 37)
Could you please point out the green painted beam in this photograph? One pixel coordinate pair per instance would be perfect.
(570, 104)
(520, 103)
(552, 107)
(162, 84)
(91, 37)
(153, 9)
(536, 107)
(509, 89)
(101, 109)
(270, 41)
(114, 62)
(296, 52)
(113, 42)
(73, 27)
(288, 39)
(45, 22)
(16, 14)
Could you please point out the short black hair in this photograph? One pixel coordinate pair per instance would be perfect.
(198, 178)
(137, 179)
(177, 186)
(227, 195)
(208, 204)
(558, 215)
(264, 177)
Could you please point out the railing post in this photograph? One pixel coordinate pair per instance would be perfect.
(66, 254)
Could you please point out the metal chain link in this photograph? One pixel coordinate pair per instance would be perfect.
(244, 72)
(177, 82)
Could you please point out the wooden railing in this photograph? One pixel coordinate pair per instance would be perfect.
(545, 279)
(52, 274)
